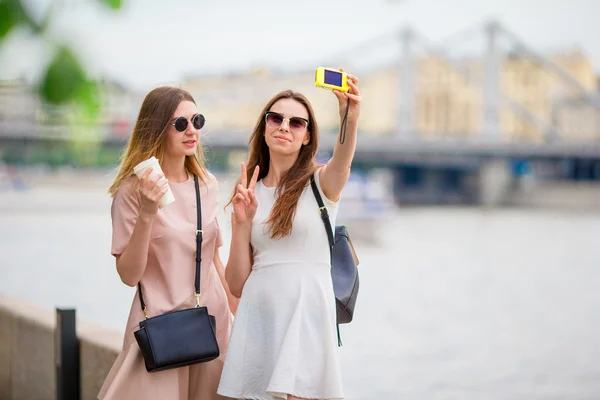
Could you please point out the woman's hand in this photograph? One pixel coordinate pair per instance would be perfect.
(355, 99)
(152, 190)
(244, 201)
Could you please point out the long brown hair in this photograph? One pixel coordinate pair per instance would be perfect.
(296, 178)
(149, 135)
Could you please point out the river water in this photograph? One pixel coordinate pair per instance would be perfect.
(457, 303)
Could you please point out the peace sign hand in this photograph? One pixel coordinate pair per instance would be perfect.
(244, 201)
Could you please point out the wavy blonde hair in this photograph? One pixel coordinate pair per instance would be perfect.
(149, 135)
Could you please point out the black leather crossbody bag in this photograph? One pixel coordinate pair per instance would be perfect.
(344, 264)
(183, 337)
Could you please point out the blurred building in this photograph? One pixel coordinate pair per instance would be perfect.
(448, 100)
(15, 98)
(22, 108)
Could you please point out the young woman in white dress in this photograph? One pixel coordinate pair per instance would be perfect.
(283, 343)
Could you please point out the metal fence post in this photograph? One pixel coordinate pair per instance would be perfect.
(66, 356)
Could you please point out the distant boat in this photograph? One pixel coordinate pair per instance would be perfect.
(364, 205)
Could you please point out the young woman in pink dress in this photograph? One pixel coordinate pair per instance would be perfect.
(157, 246)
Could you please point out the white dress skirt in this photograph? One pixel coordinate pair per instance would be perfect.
(284, 337)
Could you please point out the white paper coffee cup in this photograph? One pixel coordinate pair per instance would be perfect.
(152, 162)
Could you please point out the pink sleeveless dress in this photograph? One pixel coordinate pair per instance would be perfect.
(168, 284)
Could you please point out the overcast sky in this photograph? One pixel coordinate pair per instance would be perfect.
(151, 42)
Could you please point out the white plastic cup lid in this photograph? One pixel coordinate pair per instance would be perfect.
(145, 164)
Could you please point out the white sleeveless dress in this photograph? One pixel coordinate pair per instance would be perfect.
(284, 338)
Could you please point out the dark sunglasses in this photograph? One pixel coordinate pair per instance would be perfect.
(296, 124)
(181, 123)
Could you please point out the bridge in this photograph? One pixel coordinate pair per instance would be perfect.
(450, 117)
(382, 150)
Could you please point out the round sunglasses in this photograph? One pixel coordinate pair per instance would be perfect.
(181, 123)
(296, 124)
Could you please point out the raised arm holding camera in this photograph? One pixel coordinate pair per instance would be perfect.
(283, 342)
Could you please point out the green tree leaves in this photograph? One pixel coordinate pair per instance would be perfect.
(114, 4)
(70, 98)
(64, 77)
(11, 15)
(65, 80)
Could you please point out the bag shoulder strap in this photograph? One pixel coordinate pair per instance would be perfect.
(325, 217)
(199, 234)
(323, 211)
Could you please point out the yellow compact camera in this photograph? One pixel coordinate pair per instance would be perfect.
(329, 78)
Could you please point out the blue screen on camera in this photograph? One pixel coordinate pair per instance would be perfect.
(333, 78)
